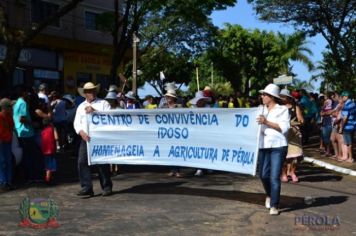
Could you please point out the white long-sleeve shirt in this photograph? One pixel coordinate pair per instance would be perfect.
(80, 120)
(271, 138)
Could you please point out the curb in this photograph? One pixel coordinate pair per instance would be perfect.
(330, 166)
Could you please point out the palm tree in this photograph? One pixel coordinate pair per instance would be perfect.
(293, 48)
(300, 84)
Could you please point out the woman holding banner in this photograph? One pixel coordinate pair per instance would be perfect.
(273, 146)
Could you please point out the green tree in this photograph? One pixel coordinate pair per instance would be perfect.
(334, 20)
(327, 74)
(247, 57)
(16, 39)
(172, 26)
(293, 48)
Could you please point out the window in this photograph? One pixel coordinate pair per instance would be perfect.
(90, 20)
(41, 10)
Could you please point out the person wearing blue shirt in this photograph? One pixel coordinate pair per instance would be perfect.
(348, 114)
(26, 135)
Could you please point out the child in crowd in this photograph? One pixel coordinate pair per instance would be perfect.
(48, 147)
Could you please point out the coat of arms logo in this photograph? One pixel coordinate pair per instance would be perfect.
(39, 213)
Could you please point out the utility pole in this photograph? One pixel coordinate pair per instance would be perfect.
(212, 73)
(134, 63)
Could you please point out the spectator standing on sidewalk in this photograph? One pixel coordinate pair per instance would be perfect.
(326, 123)
(273, 145)
(347, 128)
(91, 104)
(6, 132)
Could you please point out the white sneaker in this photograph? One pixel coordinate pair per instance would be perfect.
(268, 203)
(273, 211)
(199, 172)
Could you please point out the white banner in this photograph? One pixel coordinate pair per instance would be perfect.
(217, 139)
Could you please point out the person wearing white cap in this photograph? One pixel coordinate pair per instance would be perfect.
(131, 101)
(274, 121)
(91, 104)
(111, 97)
(200, 101)
(43, 92)
(171, 98)
(295, 149)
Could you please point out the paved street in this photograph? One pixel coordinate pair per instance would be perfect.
(148, 202)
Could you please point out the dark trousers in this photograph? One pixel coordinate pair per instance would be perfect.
(32, 159)
(85, 171)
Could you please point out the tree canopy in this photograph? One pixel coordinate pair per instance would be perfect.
(170, 27)
(335, 20)
(251, 59)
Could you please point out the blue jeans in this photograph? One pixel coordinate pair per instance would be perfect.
(326, 133)
(5, 163)
(270, 167)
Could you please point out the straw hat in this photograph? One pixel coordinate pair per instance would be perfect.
(285, 92)
(111, 95)
(130, 95)
(272, 90)
(88, 86)
(198, 96)
(171, 93)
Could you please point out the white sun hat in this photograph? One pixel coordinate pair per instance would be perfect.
(88, 86)
(130, 95)
(112, 95)
(198, 96)
(113, 88)
(272, 90)
(285, 92)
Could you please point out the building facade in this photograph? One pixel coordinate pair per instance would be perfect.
(69, 52)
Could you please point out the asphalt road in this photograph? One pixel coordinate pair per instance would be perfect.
(148, 202)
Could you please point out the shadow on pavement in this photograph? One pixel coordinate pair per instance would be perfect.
(287, 203)
(317, 202)
(320, 178)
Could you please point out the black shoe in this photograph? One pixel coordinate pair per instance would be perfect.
(84, 192)
(106, 193)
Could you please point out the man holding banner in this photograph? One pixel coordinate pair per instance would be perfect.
(91, 104)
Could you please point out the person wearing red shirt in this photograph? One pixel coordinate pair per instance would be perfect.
(48, 147)
(6, 129)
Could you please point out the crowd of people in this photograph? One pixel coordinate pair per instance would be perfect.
(41, 123)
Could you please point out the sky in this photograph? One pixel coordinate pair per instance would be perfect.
(243, 14)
